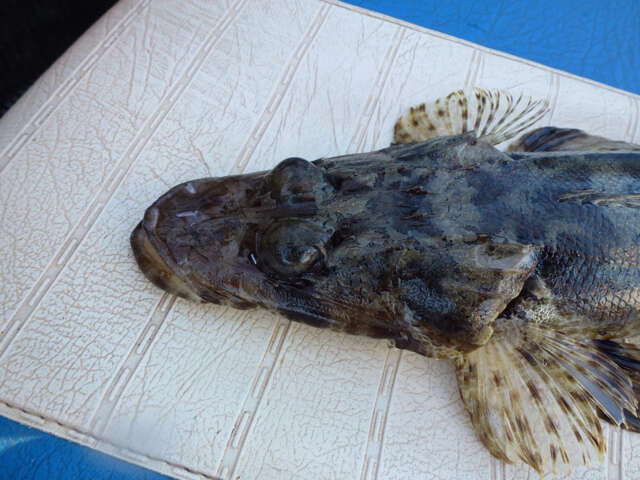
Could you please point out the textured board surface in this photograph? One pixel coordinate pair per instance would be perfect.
(156, 94)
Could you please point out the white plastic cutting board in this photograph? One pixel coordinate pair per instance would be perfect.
(159, 92)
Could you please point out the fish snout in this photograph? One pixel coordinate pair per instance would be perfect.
(155, 268)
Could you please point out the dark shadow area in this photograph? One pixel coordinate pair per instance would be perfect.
(34, 33)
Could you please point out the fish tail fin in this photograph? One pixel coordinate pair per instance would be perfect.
(536, 395)
(494, 115)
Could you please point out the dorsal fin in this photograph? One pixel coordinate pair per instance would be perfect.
(494, 115)
(554, 139)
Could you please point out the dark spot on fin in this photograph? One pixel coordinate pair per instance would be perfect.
(494, 115)
(536, 394)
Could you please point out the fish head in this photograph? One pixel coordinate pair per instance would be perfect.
(236, 240)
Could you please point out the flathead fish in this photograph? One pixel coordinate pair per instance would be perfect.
(521, 265)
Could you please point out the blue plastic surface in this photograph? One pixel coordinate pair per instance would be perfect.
(596, 39)
(29, 454)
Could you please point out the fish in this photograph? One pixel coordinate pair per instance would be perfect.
(520, 263)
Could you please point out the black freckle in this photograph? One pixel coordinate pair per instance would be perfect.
(564, 404)
(527, 356)
(533, 390)
(551, 426)
(578, 436)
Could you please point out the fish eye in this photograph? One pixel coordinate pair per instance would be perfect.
(297, 180)
(292, 246)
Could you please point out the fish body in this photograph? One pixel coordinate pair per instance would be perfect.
(522, 265)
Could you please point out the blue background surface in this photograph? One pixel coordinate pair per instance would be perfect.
(29, 454)
(597, 39)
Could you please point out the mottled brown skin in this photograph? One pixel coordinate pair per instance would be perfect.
(431, 245)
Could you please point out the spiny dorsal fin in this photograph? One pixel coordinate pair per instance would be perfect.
(494, 115)
(535, 394)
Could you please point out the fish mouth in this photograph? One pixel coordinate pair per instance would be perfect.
(155, 268)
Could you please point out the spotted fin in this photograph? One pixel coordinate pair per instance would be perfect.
(627, 356)
(554, 139)
(494, 115)
(535, 395)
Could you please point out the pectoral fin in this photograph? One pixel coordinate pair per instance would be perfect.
(535, 395)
